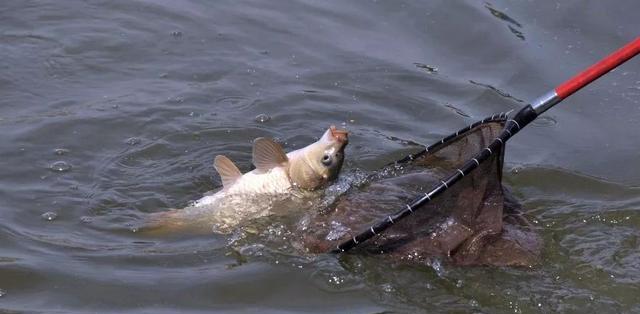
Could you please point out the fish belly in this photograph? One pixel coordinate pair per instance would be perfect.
(251, 196)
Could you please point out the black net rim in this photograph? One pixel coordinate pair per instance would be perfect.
(511, 127)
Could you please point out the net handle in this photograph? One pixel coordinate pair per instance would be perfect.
(595, 71)
(587, 76)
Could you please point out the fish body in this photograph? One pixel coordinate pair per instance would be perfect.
(276, 172)
(273, 182)
(278, 175)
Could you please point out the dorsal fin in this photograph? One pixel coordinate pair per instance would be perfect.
(227, 170)
(268, 154)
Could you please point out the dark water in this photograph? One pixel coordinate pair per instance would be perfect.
(113, 109)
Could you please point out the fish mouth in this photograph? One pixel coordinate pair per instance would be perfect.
(341, 136)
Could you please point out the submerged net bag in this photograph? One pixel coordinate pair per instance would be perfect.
(473, 222)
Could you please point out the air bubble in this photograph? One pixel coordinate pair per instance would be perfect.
(436, 264)
(49, 216)
(262, 118)
(336, 280)
(133, 141)
(2, 293)
(517, 169)
(61, 151)
(60, 166)
(388, 288)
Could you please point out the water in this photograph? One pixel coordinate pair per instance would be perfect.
(130, 100)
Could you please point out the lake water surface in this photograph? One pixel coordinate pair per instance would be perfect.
(113, 109)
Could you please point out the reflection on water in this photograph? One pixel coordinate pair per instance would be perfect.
(113, 111)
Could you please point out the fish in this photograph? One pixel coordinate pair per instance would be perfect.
(278, 177)
(277, 172)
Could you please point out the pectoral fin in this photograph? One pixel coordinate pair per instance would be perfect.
(227, 170)
(268, 154)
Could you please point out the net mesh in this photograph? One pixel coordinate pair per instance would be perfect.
(473, 222)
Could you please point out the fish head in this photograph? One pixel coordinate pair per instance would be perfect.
(313, 166)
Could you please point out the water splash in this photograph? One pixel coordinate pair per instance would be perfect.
(60, 166)
(337, 231)
(262, 118)
(49, 216)
(133, 141)
(60, 151)
(436, 265)
(388, 288)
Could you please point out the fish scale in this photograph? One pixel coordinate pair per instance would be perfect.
(275, 181)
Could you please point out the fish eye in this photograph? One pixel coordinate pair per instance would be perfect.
(326, 160)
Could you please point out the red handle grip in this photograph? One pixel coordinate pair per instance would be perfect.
(595, 71)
